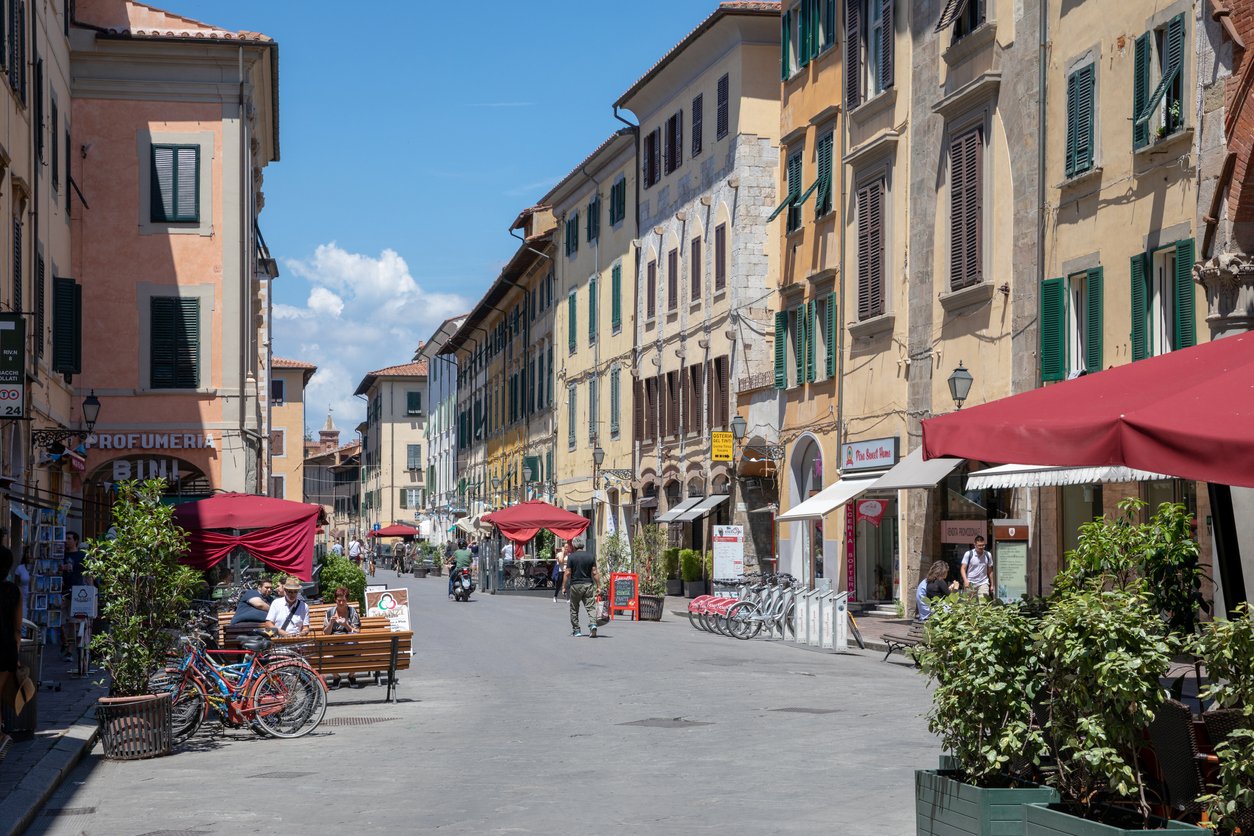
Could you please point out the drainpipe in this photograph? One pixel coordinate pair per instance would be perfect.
(1041, 82)
(635, 360)
(246, 337)
(840, 357)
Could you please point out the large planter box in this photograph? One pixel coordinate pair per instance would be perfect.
(945, 806)
(1043, 820)
(694, 589)
(675, 587)
(132, 728)
(651, 607)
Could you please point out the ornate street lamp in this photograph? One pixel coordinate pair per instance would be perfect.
(55, 440)
(960, 384)
(738, 427)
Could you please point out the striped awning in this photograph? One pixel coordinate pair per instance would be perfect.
(1044, 476)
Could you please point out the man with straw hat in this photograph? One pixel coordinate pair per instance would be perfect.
(289, 614)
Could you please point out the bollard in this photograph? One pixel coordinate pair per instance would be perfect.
(801, 619)
(827, 620)
(814, 617)
(841, 615)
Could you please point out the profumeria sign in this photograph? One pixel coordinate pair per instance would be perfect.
(152, 441)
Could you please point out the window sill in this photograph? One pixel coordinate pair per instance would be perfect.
(982, 89)
(883, 100)
(971, 43)
(694, 306)
(719, 294)
(1081, 179)
(872, 327)
(1164, 145)
(976, 294)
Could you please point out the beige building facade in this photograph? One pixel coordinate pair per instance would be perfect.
(392, 442)
(288, 379)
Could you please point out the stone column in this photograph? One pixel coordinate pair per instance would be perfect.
(1229, 282)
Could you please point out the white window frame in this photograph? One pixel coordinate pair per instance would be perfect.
(1162, 301)
(1077, 313)
(283, 432)
(872, 48)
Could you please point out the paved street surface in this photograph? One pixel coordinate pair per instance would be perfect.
(508, 725)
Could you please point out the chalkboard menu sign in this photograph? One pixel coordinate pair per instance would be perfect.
(624, 594)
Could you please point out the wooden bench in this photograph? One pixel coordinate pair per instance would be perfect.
(229, 634)
(903, 640)
(364, 652)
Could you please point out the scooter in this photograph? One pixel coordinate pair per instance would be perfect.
(463, 584)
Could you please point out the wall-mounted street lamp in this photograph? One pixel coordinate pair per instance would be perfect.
(52, 439)
(960, 381)
(738, 427)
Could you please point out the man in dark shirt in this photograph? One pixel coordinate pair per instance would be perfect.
(71, 576)
(581, 580)
(254, 604)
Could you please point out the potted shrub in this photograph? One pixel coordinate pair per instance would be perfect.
(690, 568)
(1227, 648)
(143, 591)
(650, 567)
(980, 656)
(340, 571)
(670, 563)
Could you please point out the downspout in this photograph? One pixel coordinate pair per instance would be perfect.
(1042, 79)
(635, 360)
(245, 302)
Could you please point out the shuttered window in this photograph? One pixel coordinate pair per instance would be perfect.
(870, 208)
(1079, 151)
(592, 310)
(1163, 293)
(823, 200)
(1140, 91)
(1053, 329)
(652, 163)
(278, 442)
(694, 269)
(175, 343)
(869, 53)
(637, 411)
(55, 137)
(650, 287)
(615, 405)
(785, 46)
(720, 257)
(698, 123)
(572, 233)
(571, 416)
(1185, 325)
(175, 178)
(616, 297)
(1169, 92)
(41, 304)
(829, 334)
(67, 326)
(69, 179)
(413, 403)
(672, 403)
(17, 48)
(808, 311)
(672, 279)
(721, 380)
(1071, 324)
(798, 318)
(673, 156)
(722, 116)
(781, 349)
(966, 209)
(38, 118)
(792, 175)
(853, 54)
(685, 403)
(594, 219)
(594, 408)
(618, 200)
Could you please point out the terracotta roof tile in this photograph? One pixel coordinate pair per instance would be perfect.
(403, 370)
(284, 363)
(140, 20)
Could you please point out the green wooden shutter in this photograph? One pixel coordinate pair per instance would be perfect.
(1140, 91)
(67, 326)
(803, 33)
(781, 349)
(823, 202)
(570, 324)
(1093, 319)
(810, 341)
(175, 343)
(1082, 158)
(1053, 329)
(616, 294)
(592, 310)
(1186, 318)
(1140, 309)
(1073, 122)
(831, 335)
(785, 28)
(799, 343)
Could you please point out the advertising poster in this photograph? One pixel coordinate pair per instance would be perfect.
(1011, 570)
(729, 551)
(393, 603)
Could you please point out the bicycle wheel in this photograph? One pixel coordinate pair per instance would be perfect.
(744, 620)
(787, 616)
(855, 632)
(694, 618)
(188, 702)
(288, 701)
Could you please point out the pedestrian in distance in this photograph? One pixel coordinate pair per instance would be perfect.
(354, 551)
(72, 575)
(560, 555)
(977, 569)
(581, 581)
(933, 586)
(462, 558)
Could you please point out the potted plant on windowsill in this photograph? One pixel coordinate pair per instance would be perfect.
(981, 657)
(143, 590)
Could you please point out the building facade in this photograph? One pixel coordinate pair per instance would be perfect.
(703, 280)
(173, 122)
(594, 331)
(393, 473)
(332, 479)
(444, 505)
(288, 379)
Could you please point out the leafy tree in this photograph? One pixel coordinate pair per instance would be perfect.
(337, 571)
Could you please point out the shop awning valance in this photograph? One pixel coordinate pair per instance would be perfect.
(914, 472)
(397, 530)
(519, 523)
(672, 514)
(277, 532)
(1042, 476)
(702, 508)
(828, 500)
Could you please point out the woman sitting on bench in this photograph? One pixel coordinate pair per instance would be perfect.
(342, 618)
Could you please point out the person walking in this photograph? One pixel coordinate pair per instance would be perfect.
(581, 581)
(977, 570)
(559, 569)
(354, 551)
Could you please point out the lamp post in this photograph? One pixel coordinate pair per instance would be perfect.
(496, 489)
(526, 481)
(49, 439)
(960, 381)
(598, 459)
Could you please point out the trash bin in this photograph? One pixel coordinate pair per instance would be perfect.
(31, 655)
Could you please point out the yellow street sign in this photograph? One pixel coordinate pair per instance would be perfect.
(721, 446)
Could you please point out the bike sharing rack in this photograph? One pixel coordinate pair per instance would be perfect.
(822, 619)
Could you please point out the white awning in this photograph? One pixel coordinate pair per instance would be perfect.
(828, 500)
(914, 472)
(1043, 476)
(702, 508)
(672, 513)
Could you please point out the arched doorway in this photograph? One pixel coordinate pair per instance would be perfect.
(806, 481)
(185, 481)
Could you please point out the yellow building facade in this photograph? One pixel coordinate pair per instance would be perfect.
(288, 379)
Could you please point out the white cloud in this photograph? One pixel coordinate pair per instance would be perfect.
(362, 313)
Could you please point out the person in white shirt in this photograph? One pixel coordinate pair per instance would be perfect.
(354, 551)
(977, 570)
(289, 614)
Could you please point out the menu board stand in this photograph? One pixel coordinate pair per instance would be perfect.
(625, 594)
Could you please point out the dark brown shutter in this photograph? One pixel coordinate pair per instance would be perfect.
(720, 257)
(656, 171)
(853, 55)
(694, 269)
(870, 209)
(637, 410)
(966, 209)
(722, 117)
(651, 290)
(685, 403)
(724, 391)
(672, 279)
(886, 47)
(672, 388)
(708, 370)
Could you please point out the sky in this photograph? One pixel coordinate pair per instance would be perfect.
(411, 135)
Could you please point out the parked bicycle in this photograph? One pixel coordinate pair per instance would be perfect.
(761, 601)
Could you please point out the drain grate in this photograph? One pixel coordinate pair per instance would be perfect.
(665, 723)
(356, 721)
(281, 774)
(69, 811)
(807, 710)
(176, 833)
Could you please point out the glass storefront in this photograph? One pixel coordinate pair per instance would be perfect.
(875, 547)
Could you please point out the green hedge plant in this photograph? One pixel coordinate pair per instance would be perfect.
(340, 571)
(1227, 648)
(648, 561)
(670, 558)
(690, 565)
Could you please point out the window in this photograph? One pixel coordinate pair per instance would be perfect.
(67, 325)
(698, 121)
(870, 208)
(869, 59)
(413, 456)
(672, 404)
(720, 257)
(968, 15)
(672, 279)
(175, 179)
(806, 30)
(792, 171)
(966, 209)
(19, 280)
(615, 403)
(802, 322)
(68, 176)
(592, 310)
(1163, 300)
(413, 402)
(722, 117)
(278, 487)
(651, 290)
(674, 155)
(1162, 109)
(694, 269)
(719, 408)
(571, 415)
(651, 168)
(828, 323)
(278, 391)
(823, 200)
(618, 200)
(594, 219)
(593, 409)
(1080, 112)
(17, 48)
(38, 117)
(55, 151)
(278, 442)
(175, 343)
(616, 298)
(571, 326)
(1071, 325)
(572, 233)
(41, 304)
(693, 397)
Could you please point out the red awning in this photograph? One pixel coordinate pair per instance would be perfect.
(1187, 413)
(397, 530)
(523, 521)
(277, 532)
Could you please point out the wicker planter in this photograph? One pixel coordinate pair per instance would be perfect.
(133, 728)
(651, 607)
(945, 805)
(1046, 820)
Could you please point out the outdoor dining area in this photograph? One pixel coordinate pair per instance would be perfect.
(523, 526)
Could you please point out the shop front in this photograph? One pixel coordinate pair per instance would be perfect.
(872, 551)
(188, 462)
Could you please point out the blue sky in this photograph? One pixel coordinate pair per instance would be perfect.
(411, 136)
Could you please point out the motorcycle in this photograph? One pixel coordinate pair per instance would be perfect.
(463, 584)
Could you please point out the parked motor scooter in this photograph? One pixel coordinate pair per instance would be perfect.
(463, 584)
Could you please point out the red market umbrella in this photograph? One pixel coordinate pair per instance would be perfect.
(1186, 413)
(519, 523)
(277, 532)
(397, 530)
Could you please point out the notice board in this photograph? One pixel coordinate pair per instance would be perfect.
(394, 603)
(625, 594)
